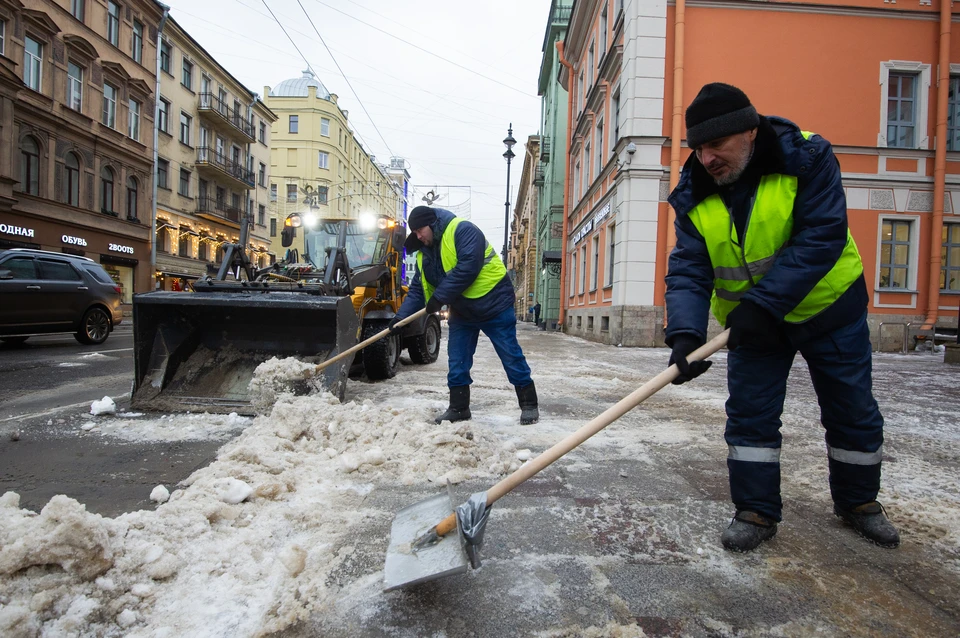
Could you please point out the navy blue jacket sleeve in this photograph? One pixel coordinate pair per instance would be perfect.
(414, 300)
(471, 245)
(819, 234)
(689, 283)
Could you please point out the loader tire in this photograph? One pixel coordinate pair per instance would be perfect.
(425, 348)
(381, 359)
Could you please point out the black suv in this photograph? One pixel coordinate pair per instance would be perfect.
(43, 292)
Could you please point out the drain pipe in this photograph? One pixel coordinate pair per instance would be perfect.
(939, 169)
(679, 23)
(156, 150)
(566, 188)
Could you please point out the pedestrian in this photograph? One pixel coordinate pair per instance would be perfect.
(763, 241)
(457, 267)
(536, 314)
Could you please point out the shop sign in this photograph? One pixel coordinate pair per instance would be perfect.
(120, 248)
(74, 241)
(591, 224)
(603, 212)
(583, 231)
(19, 231)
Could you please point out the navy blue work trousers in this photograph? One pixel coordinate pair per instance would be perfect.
(502, 332)
(841, 370)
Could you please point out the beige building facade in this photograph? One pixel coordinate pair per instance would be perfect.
(524, 230)
(213, 164)
(77, 82)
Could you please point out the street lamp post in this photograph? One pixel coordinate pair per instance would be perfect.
(508, 155)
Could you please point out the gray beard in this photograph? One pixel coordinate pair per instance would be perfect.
(734, 175)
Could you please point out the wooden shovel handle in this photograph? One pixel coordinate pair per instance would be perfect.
(363, 344)
(610, 415)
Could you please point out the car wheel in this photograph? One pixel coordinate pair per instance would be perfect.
(14, 341)
(95, 327)
(425, 348)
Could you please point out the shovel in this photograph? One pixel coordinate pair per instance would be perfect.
(312, 372)
(422, 549)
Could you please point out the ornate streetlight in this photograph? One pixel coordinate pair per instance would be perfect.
(508, 155)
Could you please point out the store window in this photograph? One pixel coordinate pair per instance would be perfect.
(950, 257)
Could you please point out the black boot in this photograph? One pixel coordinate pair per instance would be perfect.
(527, 397)
(747, 530)
(459, 409)
(870, 522)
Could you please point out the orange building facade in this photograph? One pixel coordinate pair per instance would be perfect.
(866, 75)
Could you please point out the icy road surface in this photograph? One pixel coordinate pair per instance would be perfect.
(285, 532)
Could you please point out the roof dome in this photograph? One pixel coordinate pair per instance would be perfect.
(297, 87)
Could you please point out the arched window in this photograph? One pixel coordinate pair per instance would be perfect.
(131, 198)
(30, 166)
(106, 190)
(71, 183)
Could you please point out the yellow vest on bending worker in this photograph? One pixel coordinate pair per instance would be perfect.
(737, 268)
(490, 275)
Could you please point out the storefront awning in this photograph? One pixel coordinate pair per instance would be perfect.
(551, 257)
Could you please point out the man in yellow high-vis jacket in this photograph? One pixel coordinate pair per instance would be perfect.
(763, 243)
(458, 268)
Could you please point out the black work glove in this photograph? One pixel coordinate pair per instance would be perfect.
(433, 306)
(392, 326)
(752, 326)
(683, 345)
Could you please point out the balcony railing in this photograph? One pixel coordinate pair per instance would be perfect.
(220, 209)
(207, 156)
(210, 103)
(538, 175)
(562, 14)
(545, 150)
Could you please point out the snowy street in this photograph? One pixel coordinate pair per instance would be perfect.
(285, 533)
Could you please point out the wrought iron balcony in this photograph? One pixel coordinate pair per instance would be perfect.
(561, 15)
(220, 166)
(538, 175)
(217, 110)
(219, 211)
(545, 149)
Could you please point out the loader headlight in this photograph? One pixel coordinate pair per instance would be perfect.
(293, 220)
(367, 221)
(310, 220)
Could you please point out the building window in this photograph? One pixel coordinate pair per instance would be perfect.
(324, 161)
(186, 77)
(165, 51)
(583, 269)
(950, 257)
(262, 175)
(137, 42)
(615, 114)
(184, 182)
(590, 65)
(74, 86)
(598, 142)
(901, 110)
(291, 192)
(186, 123)
(595, 270)
(263, 132)
(895, 254)
(132, 198)
(163, 167)
(273, 226)
(113, 23)
(109, 106)
(202, 250)
(322, 194)
(3, 36)
(32, 63)
(71, 185)
(294, 123)
(163, 120)
(603, 31)
(573, 274)
(324, 127)
(953, 114)
(106, 189)
(184, 243)
(30, 166)
(273, 192)
(611, 248)
(261, 215)
(586, 168)
(580, 92)
(576, 182)
(133, 120)
(76, 9)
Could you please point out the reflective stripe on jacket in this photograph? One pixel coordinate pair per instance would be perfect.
(490, 275)
(738, 266)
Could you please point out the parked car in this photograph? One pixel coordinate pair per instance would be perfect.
(44, 292)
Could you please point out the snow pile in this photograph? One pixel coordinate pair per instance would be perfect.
(103, 406)
(274, 377)
(173, 427)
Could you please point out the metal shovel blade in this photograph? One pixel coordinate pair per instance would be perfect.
(403, 567)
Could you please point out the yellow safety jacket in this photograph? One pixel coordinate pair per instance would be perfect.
(738, 266)
(490, 275)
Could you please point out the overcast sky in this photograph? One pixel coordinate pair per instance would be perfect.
(441, 81)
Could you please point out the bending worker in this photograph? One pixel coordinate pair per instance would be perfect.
(458, 268)
(762, 240)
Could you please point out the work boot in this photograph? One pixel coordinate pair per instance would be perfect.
(747, 530)
(527, 397)
(459, 409)
(871, 522)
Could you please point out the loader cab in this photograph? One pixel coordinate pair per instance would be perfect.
(365, 241)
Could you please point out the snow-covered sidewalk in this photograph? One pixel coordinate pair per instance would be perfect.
(286, 531)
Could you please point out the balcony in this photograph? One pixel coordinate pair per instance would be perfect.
(219, 211)
(561, 15)
(216, 111)
(545, 150)
(538, 175)
(222, 168)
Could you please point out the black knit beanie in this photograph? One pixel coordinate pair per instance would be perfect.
(719, 110)
(421, 216)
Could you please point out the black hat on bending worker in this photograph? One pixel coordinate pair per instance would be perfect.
(719, 110)
(419, 217)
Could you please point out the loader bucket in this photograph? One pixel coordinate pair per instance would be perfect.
(197, 351)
